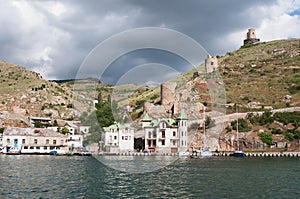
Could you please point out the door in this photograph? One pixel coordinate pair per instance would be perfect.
(15, 143)
(174, 150)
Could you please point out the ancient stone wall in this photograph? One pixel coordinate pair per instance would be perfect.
(211, 64)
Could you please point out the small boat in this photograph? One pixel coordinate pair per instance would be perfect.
(205, 151)
(184, 154)
(238, 152)
(60, 152)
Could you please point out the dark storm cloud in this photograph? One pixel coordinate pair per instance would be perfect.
(54, 37)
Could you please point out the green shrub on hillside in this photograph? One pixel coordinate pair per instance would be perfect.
(288, 118)
(242, 125)
(266, 138)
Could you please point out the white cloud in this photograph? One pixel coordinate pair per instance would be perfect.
(53, 37)
(277, 23)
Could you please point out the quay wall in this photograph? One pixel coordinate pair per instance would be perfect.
(262, 154)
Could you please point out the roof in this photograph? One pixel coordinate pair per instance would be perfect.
(146, 118)
(182, 116)
(109, 128)
(71, 125)
(37, 132)
(116, 127)
(169, 121)
(39, 118)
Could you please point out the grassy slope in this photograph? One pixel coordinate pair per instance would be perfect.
(265, 72)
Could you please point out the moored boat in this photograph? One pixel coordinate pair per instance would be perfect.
(238, 152)
(205, 152)
(60, 152)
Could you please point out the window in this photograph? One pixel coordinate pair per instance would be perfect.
(35, 141)
(37, 147)
(154, 134)
(52, 147)
(122, 137)
(174, 133)
(8, 140)
(212, 63)
(25, 147)
(174, 142)
(23, 141)
(115, 137)
(45, 148)
(149, 134)
(32, 147)
(163, 142)
(181, 133)
(54, 141)
(47, 141)
(126, 137)
(181, 142)
(163, 134)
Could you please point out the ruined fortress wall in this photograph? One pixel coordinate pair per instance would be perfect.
(211, 64)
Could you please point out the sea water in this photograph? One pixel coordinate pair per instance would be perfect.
(26, 176)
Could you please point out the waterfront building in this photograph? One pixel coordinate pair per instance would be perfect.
(166, 135)
(118, 138)
(32, 140)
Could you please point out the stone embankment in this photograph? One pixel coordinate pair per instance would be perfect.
(262, 154)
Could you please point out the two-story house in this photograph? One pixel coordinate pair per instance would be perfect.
(166, 135)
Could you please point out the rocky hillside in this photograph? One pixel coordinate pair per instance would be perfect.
(263, 75)
(266, 73)
(256, 76)
(26, 93)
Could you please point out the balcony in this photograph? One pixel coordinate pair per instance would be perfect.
(152, 138)
(162, 137)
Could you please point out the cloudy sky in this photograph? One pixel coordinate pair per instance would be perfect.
(54, 37)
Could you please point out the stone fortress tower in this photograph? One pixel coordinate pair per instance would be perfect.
(251, 37)
(211, 64)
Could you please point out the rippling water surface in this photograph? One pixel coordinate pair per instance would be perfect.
(86, 177)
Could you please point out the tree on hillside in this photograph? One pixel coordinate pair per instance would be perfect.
(266, 138)
(242, 125)
(65, 130)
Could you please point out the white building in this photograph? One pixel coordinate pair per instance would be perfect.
(166, 135)
(75, 140)
(118, 138)
(32, 140)
(84, 130)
